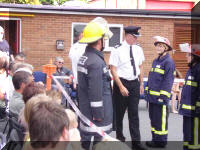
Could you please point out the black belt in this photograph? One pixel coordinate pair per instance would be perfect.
(122, 79)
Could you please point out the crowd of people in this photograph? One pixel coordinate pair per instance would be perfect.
(43, 119)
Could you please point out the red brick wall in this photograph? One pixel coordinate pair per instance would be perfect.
(39, 35)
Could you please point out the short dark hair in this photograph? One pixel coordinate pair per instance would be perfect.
(19, 78)
(46, 124)
(31, 90)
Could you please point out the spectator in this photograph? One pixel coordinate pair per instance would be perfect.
(55, 95)
(20, 57)
(30, 90)
(176, 92)
(74, 134)
(4, 46)
(49, 130)
(62, 71)
(20, 80)
(4, 84)
(76, 51)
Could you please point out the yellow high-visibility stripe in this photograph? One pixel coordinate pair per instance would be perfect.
(154, 93)
(185, 143)
(164, 121)
(198, 104)
(192, 83)
(196, 130)
(194, 147)
(165, 93)
(158, 70)
(161, 132)
(164, 116)
(189, 107)
(146, 88)
(152, 69)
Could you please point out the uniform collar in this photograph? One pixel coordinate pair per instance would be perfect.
(93, 50)
(164, 57)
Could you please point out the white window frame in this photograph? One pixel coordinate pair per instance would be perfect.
(20, 31)
(107, 48)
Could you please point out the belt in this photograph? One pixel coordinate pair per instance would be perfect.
(122, 79)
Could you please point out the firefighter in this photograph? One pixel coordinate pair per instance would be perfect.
(190, 98)
(160, 81)
(94, 90)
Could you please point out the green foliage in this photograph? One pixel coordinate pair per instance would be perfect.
(33, 2)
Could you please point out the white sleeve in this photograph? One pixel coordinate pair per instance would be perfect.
(71, 52)
(142, 59)
(114, 59)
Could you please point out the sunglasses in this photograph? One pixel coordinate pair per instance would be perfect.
(61, 62)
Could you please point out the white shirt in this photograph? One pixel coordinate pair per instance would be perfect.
(120, 58)
(75, 52)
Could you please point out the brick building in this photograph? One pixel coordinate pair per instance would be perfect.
(35, 30)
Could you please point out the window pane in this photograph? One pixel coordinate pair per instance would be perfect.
(78, 28)
(115, 40)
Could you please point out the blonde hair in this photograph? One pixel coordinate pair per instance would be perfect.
(33, 101)
(55, 95)
(72, 118)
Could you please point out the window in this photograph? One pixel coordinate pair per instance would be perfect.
(117, 30)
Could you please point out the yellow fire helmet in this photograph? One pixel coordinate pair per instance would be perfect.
(95, 30)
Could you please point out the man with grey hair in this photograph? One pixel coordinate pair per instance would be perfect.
(62, 71)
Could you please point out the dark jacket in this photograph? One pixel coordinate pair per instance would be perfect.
(190, 98)
(94, 90)
(160, 80)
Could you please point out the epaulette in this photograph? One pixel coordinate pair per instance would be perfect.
(116, 46)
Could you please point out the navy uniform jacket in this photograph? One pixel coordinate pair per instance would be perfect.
(160, 80)
(190, 98)
(94, 90)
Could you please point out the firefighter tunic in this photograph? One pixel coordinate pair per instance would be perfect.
(94, 91)
(190, 102)
(160, 81)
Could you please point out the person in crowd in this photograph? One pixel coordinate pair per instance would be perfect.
(126, 63)
(160, 81)
(76, 51)
(190, 98)
(20, 57)
(74, 134)
(4, 84)
(94, 90)
(20, 80)
(176, 92)
(29, 91)
(4, 46)
(62, 71)
(49, 130)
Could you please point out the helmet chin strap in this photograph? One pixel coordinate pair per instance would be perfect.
(161, 54)
(103, 47)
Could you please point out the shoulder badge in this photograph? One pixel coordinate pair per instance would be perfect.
(116, 46)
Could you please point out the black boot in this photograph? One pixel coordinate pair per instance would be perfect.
(138, 146)
(156, 144)
(121, 138)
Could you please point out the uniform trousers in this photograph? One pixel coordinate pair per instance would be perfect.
(131, 102)
(158, 114)
(86, 138)
(191, 133)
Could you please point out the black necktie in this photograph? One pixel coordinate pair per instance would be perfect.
(132, 61)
